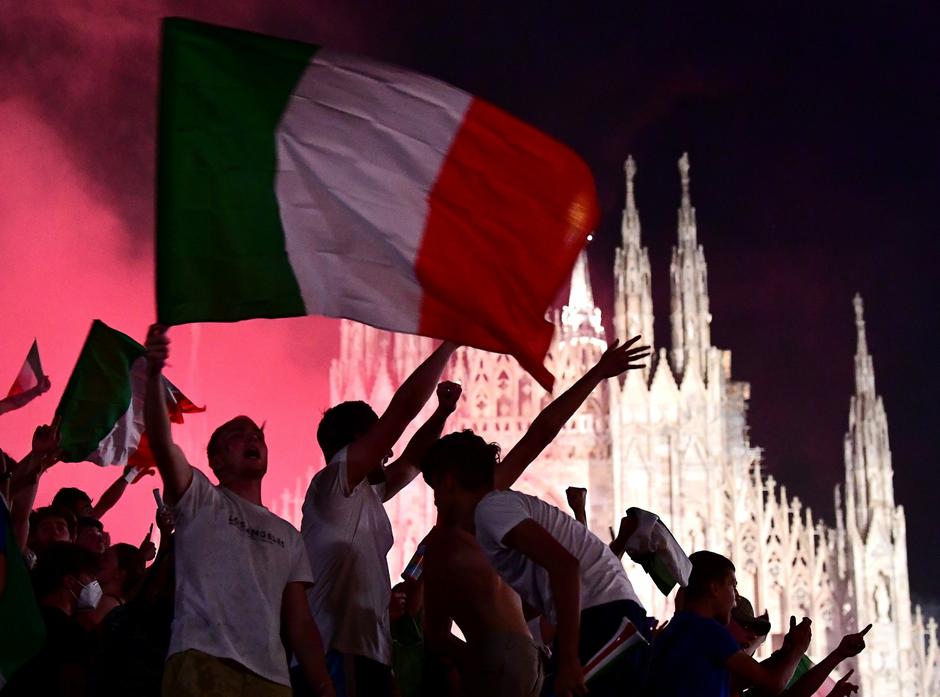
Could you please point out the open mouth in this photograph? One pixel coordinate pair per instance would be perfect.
(253, 453)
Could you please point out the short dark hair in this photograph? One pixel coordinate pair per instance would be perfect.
(61, 559)
(707, 568)
(215, 440)
(47, 512)
(89, 522)
(470, 459)
(342, 424)
(68, 496)
(131, 562)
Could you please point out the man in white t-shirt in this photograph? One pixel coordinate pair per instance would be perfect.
(347, 531)
(558, 567)
(241, 571)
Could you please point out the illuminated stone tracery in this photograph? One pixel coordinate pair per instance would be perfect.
(674, 439)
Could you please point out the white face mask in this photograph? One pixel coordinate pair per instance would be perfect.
(90, 596)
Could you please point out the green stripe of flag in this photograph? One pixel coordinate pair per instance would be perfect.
(660, 573)
(98, 392)
(23, 629)
(220, 243)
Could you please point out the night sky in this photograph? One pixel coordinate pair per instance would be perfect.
(815, 151)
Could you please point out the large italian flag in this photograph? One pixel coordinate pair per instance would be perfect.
(101, 414)
(297, 180)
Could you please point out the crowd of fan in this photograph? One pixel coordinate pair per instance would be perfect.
(237, 602)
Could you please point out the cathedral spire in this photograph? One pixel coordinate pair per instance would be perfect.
(686, 211)
(580, 317)
(689, 315)
(864, 366)
(868, 468)
(875, 527)
(633, 297)
(631, 219)
(580, 294)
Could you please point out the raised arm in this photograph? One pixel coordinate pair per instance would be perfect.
(772, 676)
(23, 398)
(851, 645)
(365, 454)
(171, 463)
(616, 359)
(618, 542)
(113, 493)
(577, 500)
(564, 578)
(402, 471)
(44, 453)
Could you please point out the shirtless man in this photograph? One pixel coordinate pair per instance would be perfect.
(500, 657)
(461, 585)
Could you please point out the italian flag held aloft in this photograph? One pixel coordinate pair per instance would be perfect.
(29, 382)
(101, 414)
(296, 180)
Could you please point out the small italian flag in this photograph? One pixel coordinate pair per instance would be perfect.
(653, 547)
(296, 180)
(101, 415)
(802, 668)
(29, 383)
(625, 639)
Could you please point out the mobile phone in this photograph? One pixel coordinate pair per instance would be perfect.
(413, 571)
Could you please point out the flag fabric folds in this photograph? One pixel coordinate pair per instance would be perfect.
(29, 383)
(296, 180)
(653, 547)
(101, 416)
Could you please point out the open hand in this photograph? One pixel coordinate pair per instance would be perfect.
(852, 644)
(619, 358)
(447, 395)
(158, 348)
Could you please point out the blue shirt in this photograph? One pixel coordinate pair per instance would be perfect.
(688, 659)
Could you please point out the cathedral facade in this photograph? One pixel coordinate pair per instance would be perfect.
(673, 439)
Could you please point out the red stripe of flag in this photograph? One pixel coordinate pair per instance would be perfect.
(508, 214)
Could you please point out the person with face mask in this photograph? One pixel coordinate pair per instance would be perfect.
(64, 582)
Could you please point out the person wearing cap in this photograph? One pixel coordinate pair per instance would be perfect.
(750, 632)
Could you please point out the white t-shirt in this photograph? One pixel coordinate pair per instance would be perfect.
(233, 560)
(603, 578)
(348, 535)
